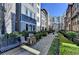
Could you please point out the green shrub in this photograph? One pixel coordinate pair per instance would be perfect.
(63, 32)
(39, 35)
(6, 35)
(64, 39)
(71, 35)
(16, 34)
(13, 35)
(44, 33)
(24, 33)
(32, 32)
(50, 31)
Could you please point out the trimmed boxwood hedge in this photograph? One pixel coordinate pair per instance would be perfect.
(39, 35)
(69, 34)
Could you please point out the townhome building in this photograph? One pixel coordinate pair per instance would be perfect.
(38, 21)
(44, 19)
(2, 24)
(17, 17)
(22, 16)
(50, 22)
(58, 23)
(64, 21)
(55, 23)
(62, 25)
(72, 17)
(75, 17)
(68, 17)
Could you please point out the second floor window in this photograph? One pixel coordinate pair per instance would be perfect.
(30, 14)
(38, 10)
(78, 21)
(26, 11)
(32, 4)
(37, 19)
(78, 6)
(34, 15)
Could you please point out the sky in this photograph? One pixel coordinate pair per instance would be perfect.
(55, 9)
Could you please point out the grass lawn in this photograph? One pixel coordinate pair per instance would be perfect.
(67, 47)
(54, 49)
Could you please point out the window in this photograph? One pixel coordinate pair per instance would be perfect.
(78, 6)
(26, 27)
(30, 14)
(34, 15)
(32, 4)
(58, 18)
(30, 27)
(53, 19)
(26, 11)
(78, 21)
(37, 19)
(38, 10)
(38, 4)
(33, 28)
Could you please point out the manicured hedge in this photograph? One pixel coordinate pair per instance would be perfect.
(69, 34)
(73, 36)
(39, 35)
(50, 31)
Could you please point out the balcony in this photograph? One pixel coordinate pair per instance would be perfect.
(75, 13)
(24, 18)
(27, 19)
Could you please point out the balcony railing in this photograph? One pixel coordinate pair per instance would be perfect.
(28, 19)
(75, 13)
(25, 18)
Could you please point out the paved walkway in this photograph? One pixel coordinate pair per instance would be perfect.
(43, 46)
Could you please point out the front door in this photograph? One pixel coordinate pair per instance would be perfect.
(26, 27)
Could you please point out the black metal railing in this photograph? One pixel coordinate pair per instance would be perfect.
(28, 19)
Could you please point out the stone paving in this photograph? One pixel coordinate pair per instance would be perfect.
(43, 46)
